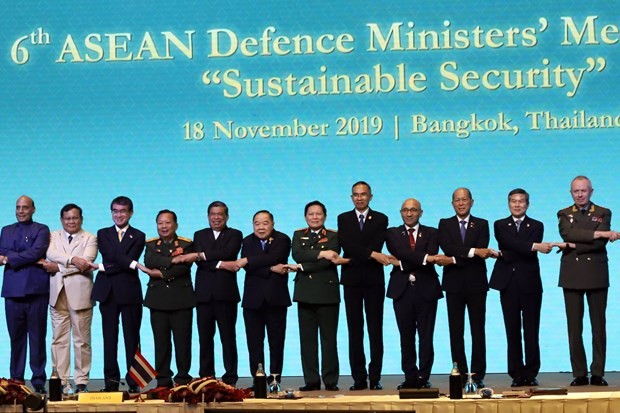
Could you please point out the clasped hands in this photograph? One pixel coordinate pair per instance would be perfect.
(80, 263)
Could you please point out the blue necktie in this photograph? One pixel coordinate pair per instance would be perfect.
(463, 229)
(518, 224)
(263, 243)
(361, 222)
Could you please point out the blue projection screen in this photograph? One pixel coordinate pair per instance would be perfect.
(272, 104)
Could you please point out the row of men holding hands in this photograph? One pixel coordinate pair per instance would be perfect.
(31, 256)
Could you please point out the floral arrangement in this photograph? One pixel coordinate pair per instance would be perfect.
(201, 390)
(13, 391)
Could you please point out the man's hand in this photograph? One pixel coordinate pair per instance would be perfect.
(2, 258)
(544, 247)
(380, 257)
(229, 266)
(81, 264)
(328, 255)
(483, 252)
(280, 268)
(240, 263)
(440, 259)
(49, 266)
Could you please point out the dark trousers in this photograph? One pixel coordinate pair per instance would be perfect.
(26, 319)
(131, 317)
(273, 320)
(224, 315)
(521, 313)
(475, 304)
(315, 319)
(597, 306)
(357, 300)
(416, 315)
(166, 325)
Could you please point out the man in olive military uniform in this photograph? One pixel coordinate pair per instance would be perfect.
(317, 293)
(170, 297)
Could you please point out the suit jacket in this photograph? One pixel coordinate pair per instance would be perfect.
(262, 285)
(427, 279)
(468, 275)
(24, 244)
(174, 291)
(517, 259)
(116, 257)
(318, 282)
(359, 244)
(213, 283)
(584, 267)
(78, 285)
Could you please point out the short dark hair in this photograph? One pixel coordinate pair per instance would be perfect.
(362, 183)
(217, 204)
(313, 203)
(166, 211)
(520, 191)
(122, 200)
(263, 211)
(68, 208)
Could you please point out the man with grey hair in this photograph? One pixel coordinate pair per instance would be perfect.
(585, 229)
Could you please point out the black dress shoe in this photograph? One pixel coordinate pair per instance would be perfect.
(81, 388)
(579, 381)
(109, 389)
(39, 388)
(598, 381)
(358, 386)
(480, 384)
(376, 386)
(531, 382)
(517, 382)
(310, 387)
(407, 385)
(425, 384)
(331, 387)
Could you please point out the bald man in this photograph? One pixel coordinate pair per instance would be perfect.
(414, 287)
(26, 290)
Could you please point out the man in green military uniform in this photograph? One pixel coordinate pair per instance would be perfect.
(170, 297)
(317, 293)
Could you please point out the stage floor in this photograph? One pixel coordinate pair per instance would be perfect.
(497, 381)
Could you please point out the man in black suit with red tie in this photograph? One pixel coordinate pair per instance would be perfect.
(217, 292)
(414, 287)
(362, 235)
(119, 291)
(464, 239)
(516, 276)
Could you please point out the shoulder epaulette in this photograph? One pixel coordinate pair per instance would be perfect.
(331, 230)
(184, 239)
(302, 229)
(152, 239)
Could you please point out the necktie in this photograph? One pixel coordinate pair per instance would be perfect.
(120, 235)
(263, 243)
(584, 211)
(411, 238)
(518, 224)
(70, 238)
(361, 222)
(463, 229)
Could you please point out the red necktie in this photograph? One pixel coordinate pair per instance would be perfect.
(411, 238)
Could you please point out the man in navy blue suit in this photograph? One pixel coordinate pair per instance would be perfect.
(517, 277)
(119, 291)
(464, 239)
(26, 289)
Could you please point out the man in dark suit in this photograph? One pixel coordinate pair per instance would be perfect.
(26, 291)
(170, 297)
(217, 292)
(414, 287)
(516, 276)
(362, 234)
(464, 239)
(585, 229)
(119, 291)
(264, 256)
